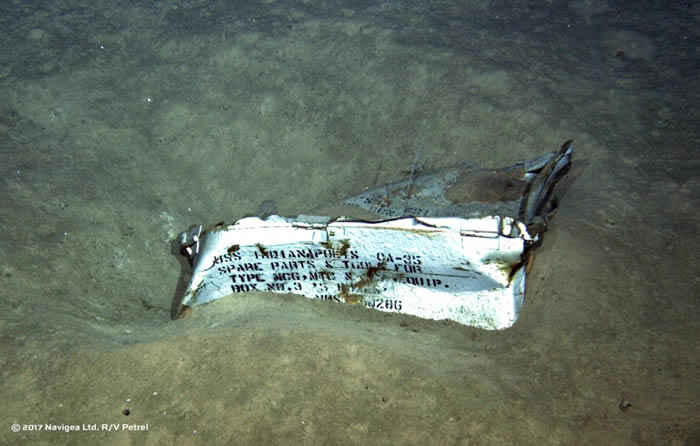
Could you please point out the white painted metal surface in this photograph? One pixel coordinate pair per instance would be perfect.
(466, 270)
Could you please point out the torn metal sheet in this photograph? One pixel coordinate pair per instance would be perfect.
(522, 191)
(446, 245)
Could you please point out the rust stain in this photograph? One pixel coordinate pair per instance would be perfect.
(529, 260)
(369, 276)
(184, 311)
(487, 186)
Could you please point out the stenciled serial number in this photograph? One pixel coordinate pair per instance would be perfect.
(385, 304)
(395, 305)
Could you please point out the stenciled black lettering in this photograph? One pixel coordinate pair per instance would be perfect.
(422, 281)
(292, 265)
(245, 278)
(408, 268)
(330, 297)
(249, 266)
(383, 257)
(284, 277)
(362, 264)
(269, 254)
(322, 275)
(226, 269)
(225, 258)
(245, 288)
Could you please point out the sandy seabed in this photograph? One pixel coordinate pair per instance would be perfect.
(123, 124)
